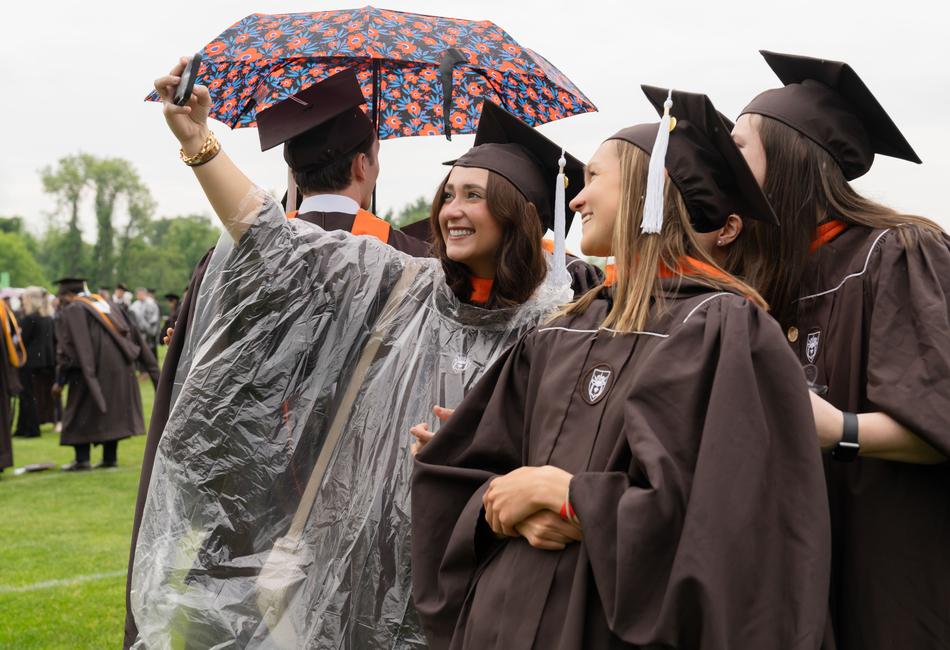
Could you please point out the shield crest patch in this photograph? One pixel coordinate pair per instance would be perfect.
(811, 346)
(596, 383)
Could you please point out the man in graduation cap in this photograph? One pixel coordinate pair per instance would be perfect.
(863, 293)
(332, 151)
(95, 358)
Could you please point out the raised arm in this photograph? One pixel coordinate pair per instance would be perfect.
(224, 184)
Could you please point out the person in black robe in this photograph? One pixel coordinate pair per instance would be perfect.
(37, 374)
(863, 293)
(671, 494)
(12, 357)
(96, 355)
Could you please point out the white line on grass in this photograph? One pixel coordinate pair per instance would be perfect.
(66, 582)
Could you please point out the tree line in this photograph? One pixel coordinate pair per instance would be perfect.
(132, 245)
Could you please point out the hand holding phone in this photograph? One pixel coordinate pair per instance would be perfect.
(187, 83)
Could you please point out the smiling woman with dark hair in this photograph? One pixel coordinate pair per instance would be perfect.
(277, 508)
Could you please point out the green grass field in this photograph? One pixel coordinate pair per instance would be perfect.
(64, 545)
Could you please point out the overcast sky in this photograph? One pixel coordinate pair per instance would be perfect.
(75, 74)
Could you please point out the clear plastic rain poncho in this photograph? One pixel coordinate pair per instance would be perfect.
(278, 511)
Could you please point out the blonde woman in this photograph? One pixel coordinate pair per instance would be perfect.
(639, 472)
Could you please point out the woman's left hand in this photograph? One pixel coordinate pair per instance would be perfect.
(512, 498)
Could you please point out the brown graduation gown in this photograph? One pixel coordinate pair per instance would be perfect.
(98, 361)
(697, 480)
(874, 322)
(162, 404)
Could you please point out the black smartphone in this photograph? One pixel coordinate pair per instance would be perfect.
(187, 83)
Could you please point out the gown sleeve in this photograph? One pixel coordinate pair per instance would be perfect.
(908, 368)
(481, 440)
(716, 536)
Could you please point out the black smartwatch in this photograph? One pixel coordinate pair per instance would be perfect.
(847, 448)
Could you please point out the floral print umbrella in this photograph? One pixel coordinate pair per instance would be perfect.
(263, 59)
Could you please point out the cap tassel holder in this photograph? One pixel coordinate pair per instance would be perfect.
(653, 204)
(560, 258)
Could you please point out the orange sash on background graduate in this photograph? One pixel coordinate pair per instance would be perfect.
(12, 338)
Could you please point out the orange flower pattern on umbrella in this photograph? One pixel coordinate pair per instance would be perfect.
(263, 59)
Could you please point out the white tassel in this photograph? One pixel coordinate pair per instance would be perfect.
(560, 258)
(291, 191)
(653, 204)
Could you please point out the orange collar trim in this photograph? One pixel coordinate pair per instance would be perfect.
(687, 266)
(481, 289)
(364, 223)
(826, 232)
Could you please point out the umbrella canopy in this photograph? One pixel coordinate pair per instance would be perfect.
(263, 59)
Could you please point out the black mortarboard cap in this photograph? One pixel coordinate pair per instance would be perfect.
(319, 124)
(828, 103)
(528, 160)
(172, 296)
(71, 285)
(703, 161)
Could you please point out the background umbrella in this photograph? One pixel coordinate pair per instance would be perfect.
(263, 59)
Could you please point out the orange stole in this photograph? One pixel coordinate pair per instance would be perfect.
(11, 330)
(364, 223)
(104, 315)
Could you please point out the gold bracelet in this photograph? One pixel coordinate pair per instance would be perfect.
(208, 151)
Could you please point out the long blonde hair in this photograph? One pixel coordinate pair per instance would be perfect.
(34, 302)
(638, 256)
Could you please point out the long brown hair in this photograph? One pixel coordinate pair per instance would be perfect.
(521, 267)
(805, 185)
(638, 256)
